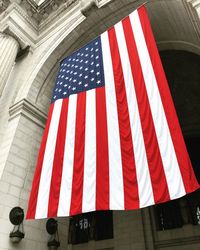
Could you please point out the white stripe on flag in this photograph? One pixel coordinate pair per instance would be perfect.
(68, 162)
(45, 179)
(171, 168)
(143, 177)
(115, 161)
(89, 180)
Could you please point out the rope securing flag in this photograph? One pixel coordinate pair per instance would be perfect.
(112, 139)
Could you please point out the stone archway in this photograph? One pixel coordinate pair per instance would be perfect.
(98, 21)
(28, 114)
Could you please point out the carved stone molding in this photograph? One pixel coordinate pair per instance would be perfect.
(34, 9)
(3, 5)
(195, 3)
(40, 12)
(103, 2)
(59, 11)
(28, 110)
(15, 22)
(88, 5)
(37, 14)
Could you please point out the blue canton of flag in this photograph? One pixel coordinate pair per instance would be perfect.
(81, 71)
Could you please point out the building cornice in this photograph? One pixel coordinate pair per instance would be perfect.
(28, 110)
(43, 11)
(40, 12)
(50, 18)
(29, 22)
(15, 22)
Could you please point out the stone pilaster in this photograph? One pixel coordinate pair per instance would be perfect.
(8, 52)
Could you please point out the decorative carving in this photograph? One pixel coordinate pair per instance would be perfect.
(87, 6)
(35, 9)
(42, 11)
(3, 5)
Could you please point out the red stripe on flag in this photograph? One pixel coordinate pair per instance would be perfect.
(58, 161)
(36, 181)
(131, 199)
(158, 178)
(186, 169)
(79, 149)
(102, 161)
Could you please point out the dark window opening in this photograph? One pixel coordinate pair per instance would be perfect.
(193, 147)
(90, 226)
(104, 225)
(194, 207)
(168, 215)
(186, 210)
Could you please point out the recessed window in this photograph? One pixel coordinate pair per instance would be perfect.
(168, 215)
(186, 210)
(90, 226)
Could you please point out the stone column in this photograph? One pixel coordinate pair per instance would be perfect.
(8, 52)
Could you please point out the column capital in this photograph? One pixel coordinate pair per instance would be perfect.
(9, 47)
(10, 36)
(15, 22)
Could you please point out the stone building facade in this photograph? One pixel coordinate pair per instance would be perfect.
(34, 37)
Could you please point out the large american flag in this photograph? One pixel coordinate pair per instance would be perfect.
(112, 138)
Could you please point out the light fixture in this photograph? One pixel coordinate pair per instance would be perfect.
(52, 229)
(16, 217)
